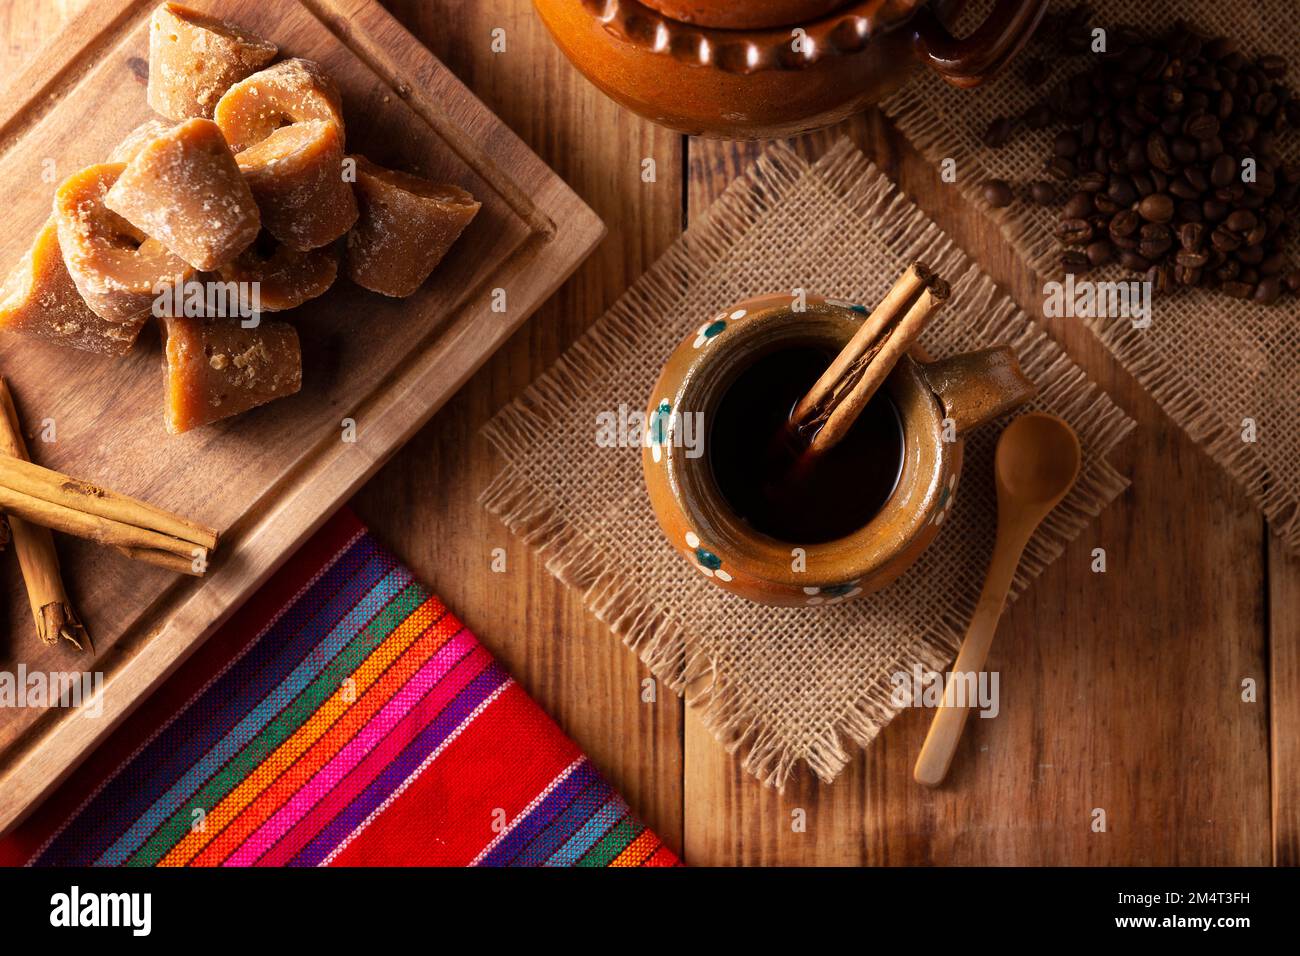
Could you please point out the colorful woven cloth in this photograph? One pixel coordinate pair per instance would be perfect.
(344, 716)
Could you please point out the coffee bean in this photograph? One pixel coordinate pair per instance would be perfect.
(1268, 290)
(1196, 178)
(1191, 236)
(1061, 167)
(1274, 66)
(1214, 210)
(1134, 262)
(1100, 252)
(1237, 289)
(1192, 260)
(1292, 280)
(1073, 262)
(997, 193)
(1241, 221)
(1125, 223)
(1202, 126)
(1224, 239)
(998, 132)
(1157, 207)
(1121, 190)
(1041, 192)
(1224, 170)
(1066, 144)
(1074, 232)
(1079, 206)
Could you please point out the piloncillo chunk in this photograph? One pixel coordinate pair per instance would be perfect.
(118, 270)
(185, 190)
(40, 300)
(194, 59)
(216, 368)
(293, 91)
(406, 226)
(296, 175)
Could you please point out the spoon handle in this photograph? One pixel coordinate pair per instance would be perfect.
(950, 719)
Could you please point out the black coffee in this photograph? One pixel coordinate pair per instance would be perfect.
(761, 466)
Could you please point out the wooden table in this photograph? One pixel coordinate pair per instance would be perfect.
(1122, 691)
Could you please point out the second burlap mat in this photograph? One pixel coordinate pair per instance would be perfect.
(1214, 364)
(787, 685)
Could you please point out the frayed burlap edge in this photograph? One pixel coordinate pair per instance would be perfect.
(658, 638)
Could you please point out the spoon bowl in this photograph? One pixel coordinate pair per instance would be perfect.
(1037, 461)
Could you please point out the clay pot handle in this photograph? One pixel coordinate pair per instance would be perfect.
(972, 60)
(977, 387)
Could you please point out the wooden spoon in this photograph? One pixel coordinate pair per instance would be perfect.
(1036, 465)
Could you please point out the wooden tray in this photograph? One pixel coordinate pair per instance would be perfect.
(267, 479)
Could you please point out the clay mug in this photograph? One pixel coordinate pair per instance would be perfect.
(762, 69)
(937, 401)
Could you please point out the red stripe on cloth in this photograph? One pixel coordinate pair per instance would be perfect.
(166, 701)
(502, 761)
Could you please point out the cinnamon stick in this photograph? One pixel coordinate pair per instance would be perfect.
(840, 418)
(47, 485)
(865, 342)
(48, 499)
(34, 545)
(136, 539)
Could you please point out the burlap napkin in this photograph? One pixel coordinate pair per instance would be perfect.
(1210, 361)
(788, 685)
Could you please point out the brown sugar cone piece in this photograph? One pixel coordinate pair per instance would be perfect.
(117, 269)
(194, 59)
(406, 226)
(138, 138)
(285, 277)
(216, 368)
(185, 189)
(40, 301)
(294, 91)
(296, 176)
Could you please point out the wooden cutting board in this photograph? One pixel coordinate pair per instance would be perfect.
(267, 479)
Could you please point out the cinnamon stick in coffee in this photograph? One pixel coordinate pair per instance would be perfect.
(34, 545)
(865, 342)
(836, 400)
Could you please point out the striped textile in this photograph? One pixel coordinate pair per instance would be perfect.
(343, 717)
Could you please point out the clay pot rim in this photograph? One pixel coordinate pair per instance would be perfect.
(843, 32)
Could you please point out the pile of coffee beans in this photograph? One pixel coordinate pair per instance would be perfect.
(1166, 159)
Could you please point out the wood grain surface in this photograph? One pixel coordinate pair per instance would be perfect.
(1122, 691)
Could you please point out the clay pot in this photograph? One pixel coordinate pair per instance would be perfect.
(751, 69)
(966, 390)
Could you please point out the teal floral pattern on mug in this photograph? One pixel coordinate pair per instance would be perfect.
(660, 428)
(708, 563)
(711, 329)
(833, 593)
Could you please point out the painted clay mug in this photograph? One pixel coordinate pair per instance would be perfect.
(951, 395)
(761, 69)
